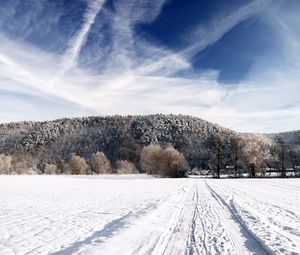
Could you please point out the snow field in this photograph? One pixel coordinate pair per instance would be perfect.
(136, 214)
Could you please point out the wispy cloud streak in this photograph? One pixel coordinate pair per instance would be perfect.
(69, 59)
(141, 76)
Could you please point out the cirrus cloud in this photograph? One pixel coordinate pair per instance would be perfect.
(125, 72)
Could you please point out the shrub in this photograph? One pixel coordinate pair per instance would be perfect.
(5, 164)
(166, 162)
(172, 163)
(78, 165)
(63, 167)
(50, 168)
(126, 167)
(150, 157)
(24, 163)
(19, 167)
(100, 164)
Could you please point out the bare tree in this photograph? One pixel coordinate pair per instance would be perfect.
(63, 167)
(24, 163)
(126, 167)
(5, 164)
(100, 164)
(150, 158)
(78, 165)
(237, 143)
(172, 163)
(166, 162)
(293, 152)
(218, 150)
(50, 168)
(294, 157)
(281, 148)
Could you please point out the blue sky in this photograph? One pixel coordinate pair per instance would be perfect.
(233, 62)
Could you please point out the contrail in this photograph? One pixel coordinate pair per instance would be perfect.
(69, 59)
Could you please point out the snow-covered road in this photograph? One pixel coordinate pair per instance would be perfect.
(62, 215)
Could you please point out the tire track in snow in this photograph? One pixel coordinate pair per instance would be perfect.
(137, 233)
(251, 199)
(196, 228)
(175, 237)
(187, 223)
(108, 230)
(209, 234)
(273, 225)
(193, 244)
(162, 242)
(256, 244)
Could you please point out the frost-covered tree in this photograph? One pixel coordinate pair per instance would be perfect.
(256, 152)
(50, 168)
(167, 162)
(5, 163)
(150, 159)
(63, 166)
(25, 163)
(100, 164)
(172, 163)
(125, 167)
(78, 165)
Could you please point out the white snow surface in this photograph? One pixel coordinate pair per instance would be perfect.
(136, 214)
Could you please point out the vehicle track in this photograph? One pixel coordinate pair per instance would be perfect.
(257, 244)
(274, 226)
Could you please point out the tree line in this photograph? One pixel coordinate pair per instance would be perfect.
(154, 160)
(254, 155)
(54, 146)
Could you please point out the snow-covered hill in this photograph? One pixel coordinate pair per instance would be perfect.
(116, 136)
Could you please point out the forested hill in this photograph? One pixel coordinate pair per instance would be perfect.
(116, 136)
(289, 137)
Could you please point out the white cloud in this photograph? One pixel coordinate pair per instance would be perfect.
(69, 59)
(140, 75)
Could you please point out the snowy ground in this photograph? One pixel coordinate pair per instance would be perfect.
(62, 215)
